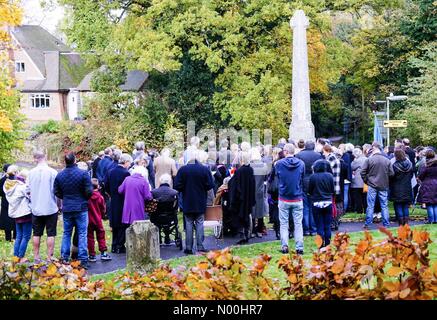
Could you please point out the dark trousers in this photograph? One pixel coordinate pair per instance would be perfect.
(119, 237)
(244, 227)
(10, 234)
(323, 217)
(274, 215)
(194, 221)
(100, 234)
(358, 199)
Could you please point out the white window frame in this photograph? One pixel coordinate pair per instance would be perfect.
(40, 99)
(20, 64)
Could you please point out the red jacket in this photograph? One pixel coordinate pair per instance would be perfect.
(96, 208)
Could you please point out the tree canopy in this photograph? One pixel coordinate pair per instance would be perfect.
(221, 62)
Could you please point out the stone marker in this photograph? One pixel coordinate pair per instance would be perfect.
(301, 126)
(142, 246)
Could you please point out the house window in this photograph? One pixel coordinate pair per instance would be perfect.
(40, 101)
(19, 67)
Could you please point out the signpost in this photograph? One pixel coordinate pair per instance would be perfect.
(395, 124)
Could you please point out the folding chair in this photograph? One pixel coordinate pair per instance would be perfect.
(214, 219)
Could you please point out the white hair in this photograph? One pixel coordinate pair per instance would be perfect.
(140, 145)
(140, 170)
(349, 147)
(244, 157)
(255, 154)
(124, 158)
(245, 146)
(195, 141)
(82, 165)
(289, 148)
(165, 178)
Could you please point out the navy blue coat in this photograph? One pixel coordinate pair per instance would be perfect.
(74, 187)
(102, 168)
(308, 157)
(115, 179)
(194, 180)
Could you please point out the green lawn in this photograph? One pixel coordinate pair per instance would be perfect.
(414, 213)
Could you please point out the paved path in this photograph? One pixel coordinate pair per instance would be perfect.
(169, 252)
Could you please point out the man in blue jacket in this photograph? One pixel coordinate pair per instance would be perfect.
(290, 172)
(309, 157)
(74, 187)
(194, 180)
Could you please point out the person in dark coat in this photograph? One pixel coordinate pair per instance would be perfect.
(165, 194)
(102, 167)
(428, 185)
(321, 190)
(95, 164)
(308, 156)
(347, 157)
(194, 180)
(115, 179)
(409, 152)
(6, 223)
(401, 191)
(242, 196)
(73, 186)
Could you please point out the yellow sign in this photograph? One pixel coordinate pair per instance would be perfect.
(395, 123)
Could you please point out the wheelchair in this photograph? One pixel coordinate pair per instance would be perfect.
(166, 219)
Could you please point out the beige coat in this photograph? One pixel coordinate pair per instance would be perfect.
(164, 165)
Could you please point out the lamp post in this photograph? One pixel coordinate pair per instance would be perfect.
(392, 97)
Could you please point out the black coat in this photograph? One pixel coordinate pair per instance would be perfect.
(348, 157)
(400, 184)
(428, 183)
(308, 157)
(194, 180)
(242, 191)
(164, 193)
(116, 178)
(6, 223)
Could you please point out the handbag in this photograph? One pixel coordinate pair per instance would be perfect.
(365, 188)
(151, 206)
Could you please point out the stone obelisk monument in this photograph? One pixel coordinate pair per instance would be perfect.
(301, 126)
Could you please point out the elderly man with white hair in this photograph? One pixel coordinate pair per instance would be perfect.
(114, 181)
(104, 164)
(165, 193)
(194, 180)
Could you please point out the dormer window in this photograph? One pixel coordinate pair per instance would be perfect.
(19, 67)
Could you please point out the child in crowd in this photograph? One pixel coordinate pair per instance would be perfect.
(321, 190)
(96, 209)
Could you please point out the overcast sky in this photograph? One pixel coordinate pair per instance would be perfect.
(48, 18)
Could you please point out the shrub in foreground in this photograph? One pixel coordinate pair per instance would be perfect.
(394, 268)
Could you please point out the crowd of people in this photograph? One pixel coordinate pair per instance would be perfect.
(303, 188)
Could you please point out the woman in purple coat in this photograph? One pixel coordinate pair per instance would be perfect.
(136, 191)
